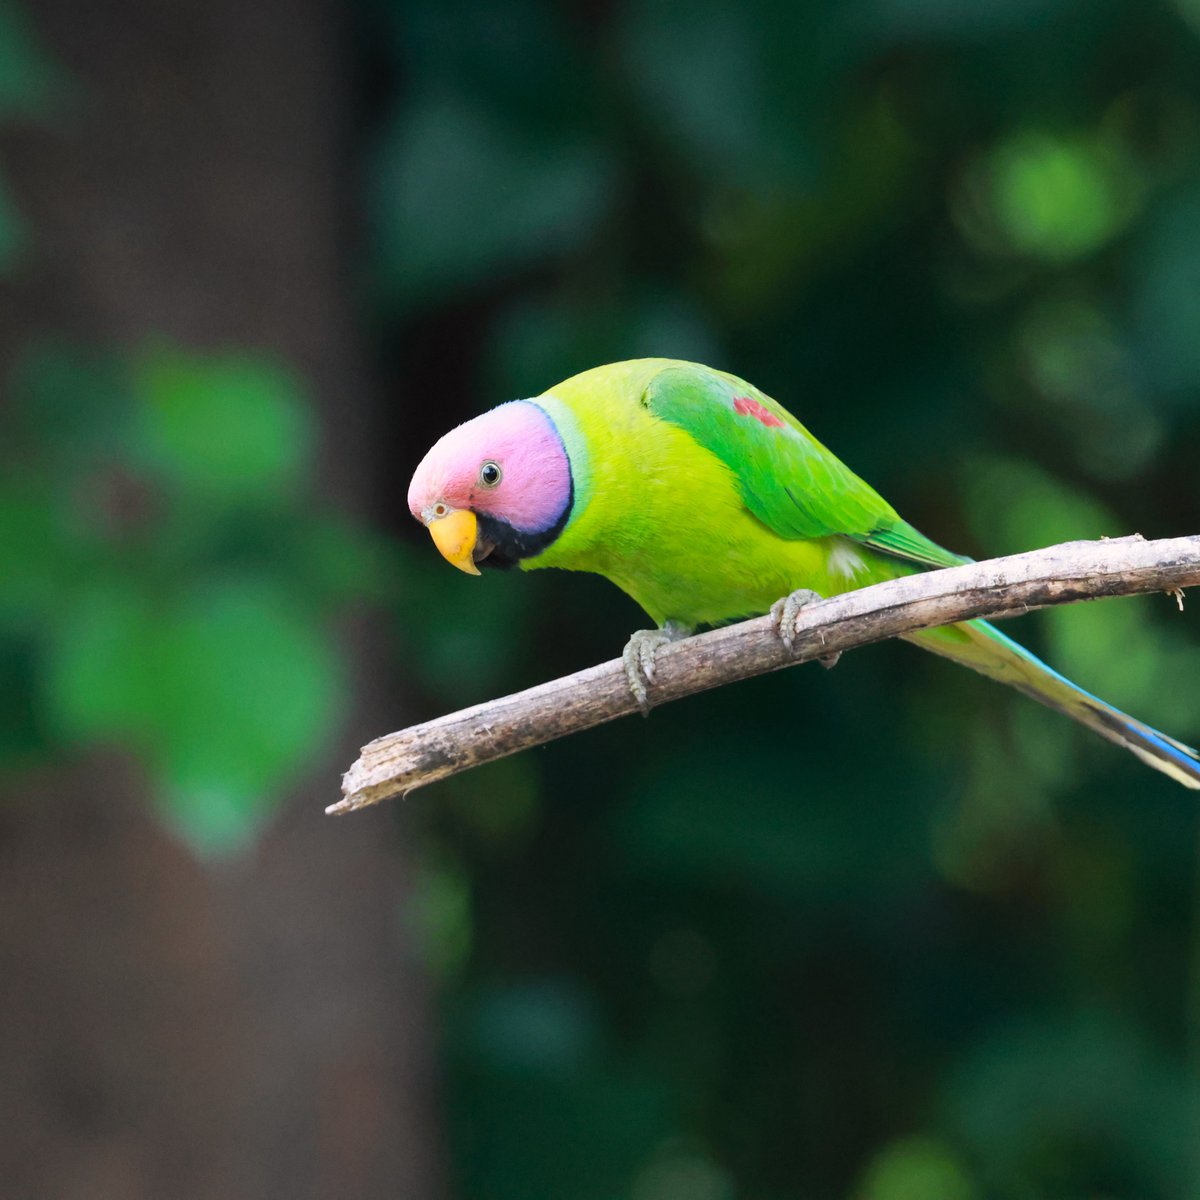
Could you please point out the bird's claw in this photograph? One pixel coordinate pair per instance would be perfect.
(639, 654)
(785, 611)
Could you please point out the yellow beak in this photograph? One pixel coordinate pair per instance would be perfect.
(454, 535)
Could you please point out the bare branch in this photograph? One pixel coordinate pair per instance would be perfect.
(1000, 587)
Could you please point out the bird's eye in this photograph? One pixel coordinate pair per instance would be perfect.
(440, 509)
(489, 474)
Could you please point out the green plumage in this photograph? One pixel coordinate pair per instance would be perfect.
(705, 500)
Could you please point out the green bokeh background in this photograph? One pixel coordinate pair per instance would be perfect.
(880, 933)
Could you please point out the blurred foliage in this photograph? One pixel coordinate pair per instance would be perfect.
(882, 933)
(175, 577)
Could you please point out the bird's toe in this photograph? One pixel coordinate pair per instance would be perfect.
(639, 658)
(784, 612)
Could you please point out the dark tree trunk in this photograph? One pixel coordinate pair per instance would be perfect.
(167, 1029)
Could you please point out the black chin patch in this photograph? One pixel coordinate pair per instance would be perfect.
(510, 545)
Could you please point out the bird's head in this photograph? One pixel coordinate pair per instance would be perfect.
(496, 489)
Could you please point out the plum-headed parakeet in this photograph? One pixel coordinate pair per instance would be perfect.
(704, 500)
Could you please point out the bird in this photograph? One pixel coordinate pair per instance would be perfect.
(706, 501)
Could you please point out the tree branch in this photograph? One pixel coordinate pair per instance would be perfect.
(1001, 587)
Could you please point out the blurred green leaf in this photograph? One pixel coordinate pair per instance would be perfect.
(677, 1172)
(338, 560)
(232, 427)
(916, 1168)
(100, 679)
(225, 693)
(248, 689)
(194, 639)
(35, 547)
(1050, 197)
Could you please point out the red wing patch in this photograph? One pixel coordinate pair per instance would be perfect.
(747, 407)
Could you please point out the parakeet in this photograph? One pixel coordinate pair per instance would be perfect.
(705, 500)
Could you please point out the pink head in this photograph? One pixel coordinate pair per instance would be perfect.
(506, 468)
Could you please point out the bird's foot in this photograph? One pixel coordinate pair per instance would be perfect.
(638, 657)
(784, 613)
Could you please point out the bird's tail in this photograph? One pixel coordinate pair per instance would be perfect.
(983, 648)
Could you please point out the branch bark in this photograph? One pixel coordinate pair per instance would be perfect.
(1001, 587)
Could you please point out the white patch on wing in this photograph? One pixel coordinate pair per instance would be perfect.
(845, 560)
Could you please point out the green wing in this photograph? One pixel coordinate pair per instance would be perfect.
(788, 480)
